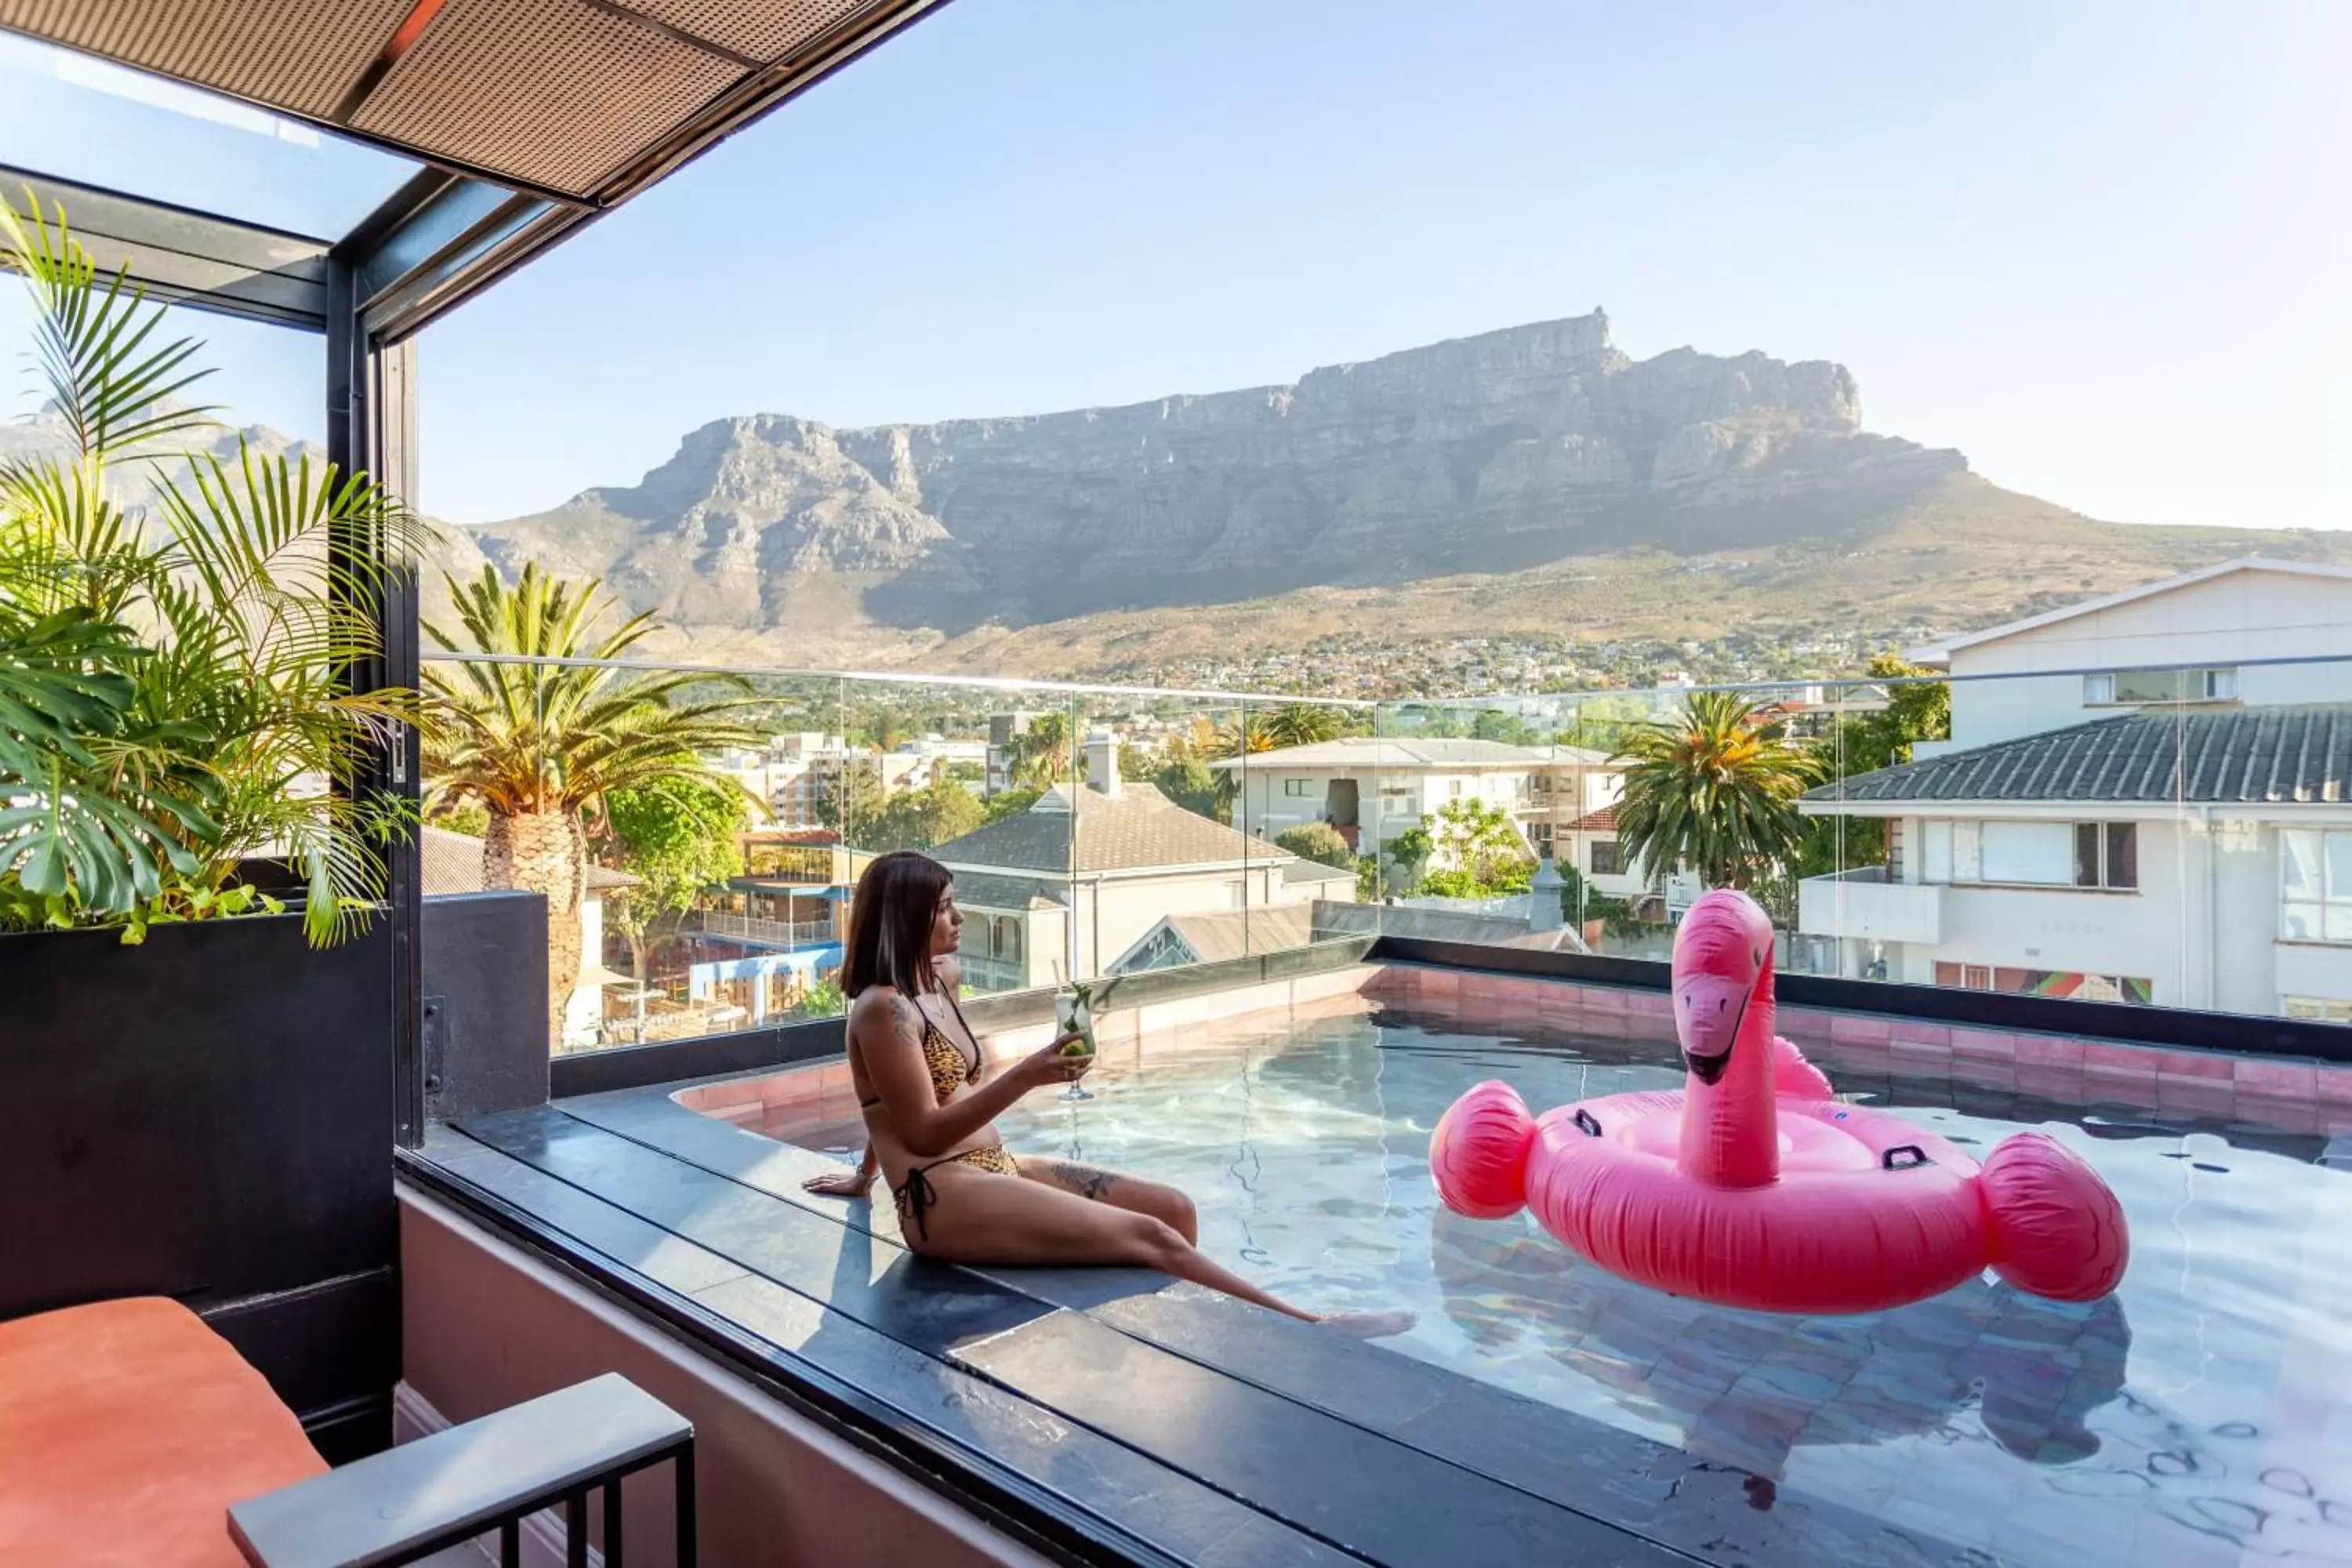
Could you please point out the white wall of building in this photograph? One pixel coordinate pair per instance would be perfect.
(2223, 622)
(2203, 926)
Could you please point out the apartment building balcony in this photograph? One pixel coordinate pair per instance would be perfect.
(1862, 903)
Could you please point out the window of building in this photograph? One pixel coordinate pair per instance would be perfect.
(2125, 687)
(1456, 789)
(2107, 854)
(2030, 854)
(2316, 885)
(1541, 832)
(1608, 857)
(1297, 788)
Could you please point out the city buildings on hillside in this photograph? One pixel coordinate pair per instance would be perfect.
(1372, 788)
(798, 773)
(2151, 807)
(1076, 883)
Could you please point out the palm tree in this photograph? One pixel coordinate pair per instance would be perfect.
(540, 745)
(1302, 723)
(217, 628)
(1714, 789)
(1041, 756)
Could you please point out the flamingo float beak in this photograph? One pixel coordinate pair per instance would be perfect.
(1708, 1009)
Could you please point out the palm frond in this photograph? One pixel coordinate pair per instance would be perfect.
(113, 390)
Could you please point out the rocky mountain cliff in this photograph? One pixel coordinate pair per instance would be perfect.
(1481, 454)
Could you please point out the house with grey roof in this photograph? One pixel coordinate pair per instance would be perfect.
(1073, 884)
(2146, 797)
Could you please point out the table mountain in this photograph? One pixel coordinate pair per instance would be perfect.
(1487, 454)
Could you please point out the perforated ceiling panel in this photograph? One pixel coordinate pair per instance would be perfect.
(296, 55)
(769, 31)
(556, 93)
(580, 97)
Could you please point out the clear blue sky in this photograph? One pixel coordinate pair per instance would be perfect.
(2103, 248)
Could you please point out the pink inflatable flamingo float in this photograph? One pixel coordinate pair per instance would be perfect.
(1752, 1187)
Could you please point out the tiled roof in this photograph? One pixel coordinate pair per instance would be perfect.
(1305, 870)
(2235, 756)
(1236, 933)
(1134, 830)
(452, 863)
(1601, 821)
(980, 891)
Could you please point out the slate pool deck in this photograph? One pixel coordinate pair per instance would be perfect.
(1167, 1423)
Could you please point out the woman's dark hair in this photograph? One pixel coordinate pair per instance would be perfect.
(890, 917)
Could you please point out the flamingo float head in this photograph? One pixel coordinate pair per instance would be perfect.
(1722, 951)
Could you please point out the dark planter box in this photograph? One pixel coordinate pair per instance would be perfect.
(210, 1117)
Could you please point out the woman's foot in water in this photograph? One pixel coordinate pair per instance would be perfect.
(1368, 1325)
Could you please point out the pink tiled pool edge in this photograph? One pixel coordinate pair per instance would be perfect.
(2295, 1096)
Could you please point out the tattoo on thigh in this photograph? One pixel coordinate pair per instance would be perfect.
(1088, 1182)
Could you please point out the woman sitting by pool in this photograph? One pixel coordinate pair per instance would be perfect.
(930, 1116)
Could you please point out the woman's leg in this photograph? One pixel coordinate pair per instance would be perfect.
(1121, 1191)
(981, 1217)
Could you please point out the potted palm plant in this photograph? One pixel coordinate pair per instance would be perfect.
(195, 1074)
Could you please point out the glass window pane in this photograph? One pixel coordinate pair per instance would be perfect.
(2149, 686)
(1967, 852)
(2299, 863)
(2340, 865)
(1936, 852)
(91, 121)
(2032, 852)
(2338, 924)
(2301, 922)
(2123, 855)
(2086, 854)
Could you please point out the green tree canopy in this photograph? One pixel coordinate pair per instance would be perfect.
(1319, 842)
(1920, 710)
(1007, 802)
(927, 817)
(1476, 851)
(679, 837)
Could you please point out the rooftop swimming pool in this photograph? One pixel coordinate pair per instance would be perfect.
(2203, 1415)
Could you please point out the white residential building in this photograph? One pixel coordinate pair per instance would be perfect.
(1039, 908)
(1372, 788)
(2153, 806)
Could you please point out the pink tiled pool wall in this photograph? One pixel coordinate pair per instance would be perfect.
(2292, 1095)
(791, 1103)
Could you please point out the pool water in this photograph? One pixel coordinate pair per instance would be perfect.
(2203, 1415)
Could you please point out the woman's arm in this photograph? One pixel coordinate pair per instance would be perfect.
(890, 1031)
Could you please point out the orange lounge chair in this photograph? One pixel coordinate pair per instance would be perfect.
(127, 1428)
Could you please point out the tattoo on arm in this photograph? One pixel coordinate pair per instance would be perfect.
(906, 1015)
(1085, 1180)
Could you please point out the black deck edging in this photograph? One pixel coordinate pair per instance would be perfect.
(1291, 1461)
(1002, 1498)
(1712, 1509)
(2237, 1034)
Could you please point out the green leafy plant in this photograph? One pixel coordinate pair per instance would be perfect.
(1317, 841)
(1475, 851)
(175, 676)
(678, 838)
